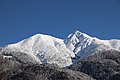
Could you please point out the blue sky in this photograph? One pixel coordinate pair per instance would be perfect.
(21, 19)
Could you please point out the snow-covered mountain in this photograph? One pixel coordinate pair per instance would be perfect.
(44, 48)
(83, 45)
(47, 49)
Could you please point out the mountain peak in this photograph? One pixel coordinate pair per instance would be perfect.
(77, 41)
(81, 34)
(77, 31)
(82, 44)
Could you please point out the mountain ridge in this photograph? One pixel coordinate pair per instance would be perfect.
(48, 49)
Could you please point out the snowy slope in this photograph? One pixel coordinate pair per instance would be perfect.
(45, 48)
(83, 45)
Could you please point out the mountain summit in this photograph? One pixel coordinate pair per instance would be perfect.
(83, 45)
(77, 41)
